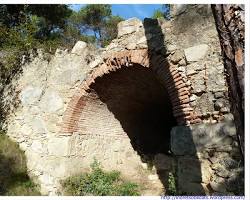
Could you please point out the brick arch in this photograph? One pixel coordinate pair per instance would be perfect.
(177, 88)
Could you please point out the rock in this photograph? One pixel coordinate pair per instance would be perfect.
(193, 97)
(221, 103)
(189, 169)
(197, 66)
(215, 79)
(181, 141)
(30, 95)
(177, 56)
(58, 146)
(204, 104)
(183, 62)
(46, 179)
(225, 110)
(38, 147)
(171, 47)
(220, 170)
(205, 136)
(182, 69)
(69, 77)
(229, 117)
(163, 162)
(51, 102)
(191, 72)
(198, 83)
(129, 26)
(206, 171)
(144, 165)
(80, 48)
(153, 177)
(196, 53)
(218, 187)
(38, 126)
(229, 163)
(218, 95)
(217, 156)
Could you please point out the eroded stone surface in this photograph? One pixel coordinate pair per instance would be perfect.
(196, 53)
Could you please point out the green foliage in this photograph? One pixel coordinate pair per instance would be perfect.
(99, 19)
(171, 184)
(163, 12)
(13, 171)
(99, 183)
(94, 15)
(48, 17)
(110, 29)
(157, 14)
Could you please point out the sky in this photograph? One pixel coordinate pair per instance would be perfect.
(129, 10)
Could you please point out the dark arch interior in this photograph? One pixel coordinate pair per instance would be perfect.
(141, 104)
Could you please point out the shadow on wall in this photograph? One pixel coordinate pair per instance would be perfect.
(138, 99)
(187, 167)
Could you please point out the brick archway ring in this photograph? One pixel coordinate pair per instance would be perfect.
(178, 90)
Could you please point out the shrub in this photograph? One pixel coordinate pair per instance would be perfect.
(171, 184)
(99, 183)
(13, 171)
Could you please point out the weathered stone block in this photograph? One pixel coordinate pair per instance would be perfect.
(38, 126)
(51, 102)
(30, 95)
(215, 78)
(196, 53)
(59, 146)
(177, 56)
(198, 82)
(182, 141)
(204, 104)
(79, 48)
(129, 26)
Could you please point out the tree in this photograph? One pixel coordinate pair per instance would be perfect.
(99, 19)
(12, 14)
(93, 17)
(230, 24)
(49, 17)
(110, 29)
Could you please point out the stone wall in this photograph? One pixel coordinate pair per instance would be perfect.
(63, 120)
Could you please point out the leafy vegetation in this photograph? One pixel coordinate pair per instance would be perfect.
(163, 12)
(13, 171)
(158, 14)
(171, 184)
(99, 19)
(24, 27)
(99, 183)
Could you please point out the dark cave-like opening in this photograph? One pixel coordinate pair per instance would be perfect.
(141, 104)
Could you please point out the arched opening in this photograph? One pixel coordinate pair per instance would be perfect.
(141, 105)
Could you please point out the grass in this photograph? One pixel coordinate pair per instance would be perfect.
(13, 171)
(99, 183)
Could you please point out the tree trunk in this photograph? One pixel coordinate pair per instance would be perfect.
(230, 24)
